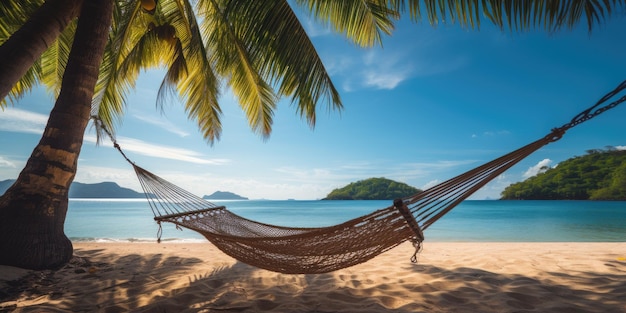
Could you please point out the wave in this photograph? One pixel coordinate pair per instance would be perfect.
(137, 240)
(109, 199)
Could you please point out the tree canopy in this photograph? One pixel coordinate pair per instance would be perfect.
(373, 189)
(598, 175)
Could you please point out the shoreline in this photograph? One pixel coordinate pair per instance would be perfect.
(449, 277)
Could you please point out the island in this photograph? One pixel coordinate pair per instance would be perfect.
(224, 195)
(97, 190)
(378, 188)
(598, 175)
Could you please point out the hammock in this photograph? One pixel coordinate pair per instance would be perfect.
(325, 249)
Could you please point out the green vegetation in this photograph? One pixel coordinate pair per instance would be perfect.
(599, 175)
(373, 189)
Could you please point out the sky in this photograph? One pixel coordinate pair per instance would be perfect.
(430, 104)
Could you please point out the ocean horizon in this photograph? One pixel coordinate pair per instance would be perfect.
(131, 220)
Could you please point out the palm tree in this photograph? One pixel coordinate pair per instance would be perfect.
(33, 210)
(258, 48)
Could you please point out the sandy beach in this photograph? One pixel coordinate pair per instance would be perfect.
(449, 277)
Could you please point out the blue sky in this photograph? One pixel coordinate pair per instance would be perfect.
(430, 104)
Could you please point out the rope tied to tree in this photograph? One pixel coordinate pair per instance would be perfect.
(100, 126)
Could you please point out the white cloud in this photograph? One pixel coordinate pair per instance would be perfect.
(537, 168)
(160, 151)
(336, 64)
(165, 152)
(315, 29)
(620, 147)
(6, 163)
(22, 121)
(490, 133)
(430, 184)
(95, 174)
(350, 172)
(163, 124)
(381, 80)
(383, 71)
(305, 174)
(493, 189)
(437, 66)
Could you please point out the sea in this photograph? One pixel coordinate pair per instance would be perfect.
(131, 220)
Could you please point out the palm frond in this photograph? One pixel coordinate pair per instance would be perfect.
(54, 59)
(13, 14)
(198, 86)
(176, 70)
(552, 15)
(23, 86)
(109, 102)
(201, 103)
(364, 22)
(287, 57)
(224, 29)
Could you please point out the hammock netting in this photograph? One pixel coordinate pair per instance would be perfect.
(318, 250)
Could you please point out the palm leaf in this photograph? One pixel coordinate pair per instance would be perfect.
(13, 14)
(364, 22)
(109, 102)
(287, 57)
(54, 59)
(552, 15)
(198, 86)
(229, 52)
(23, 86)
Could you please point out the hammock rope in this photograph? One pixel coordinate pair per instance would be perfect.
(297, 250)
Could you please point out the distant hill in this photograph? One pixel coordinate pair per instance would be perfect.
(224, 195)
(5, 184)
(102, 190)
(99, 190)
(373, 189)
(598, 175)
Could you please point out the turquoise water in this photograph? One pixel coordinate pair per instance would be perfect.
(477, 221)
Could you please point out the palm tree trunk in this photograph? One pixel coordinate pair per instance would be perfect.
(27, 44)
(32, 211)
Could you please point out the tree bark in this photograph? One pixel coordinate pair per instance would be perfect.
(27, 44)
(33, 210)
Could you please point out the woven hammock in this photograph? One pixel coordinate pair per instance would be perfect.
(319, 250)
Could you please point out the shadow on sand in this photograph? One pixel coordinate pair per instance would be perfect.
(133, 284)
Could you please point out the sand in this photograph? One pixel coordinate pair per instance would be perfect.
(449, 277)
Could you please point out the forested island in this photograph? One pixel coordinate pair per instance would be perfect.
(372, 189)
(598, 175)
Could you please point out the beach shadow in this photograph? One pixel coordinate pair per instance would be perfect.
(122, 286)
(475, 290)
(84, 285)
(420, 288)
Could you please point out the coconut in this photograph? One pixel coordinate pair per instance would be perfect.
(148, 5)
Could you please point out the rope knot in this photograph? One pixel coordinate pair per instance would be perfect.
(159, 232)
(556, 134)
(418, 248)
